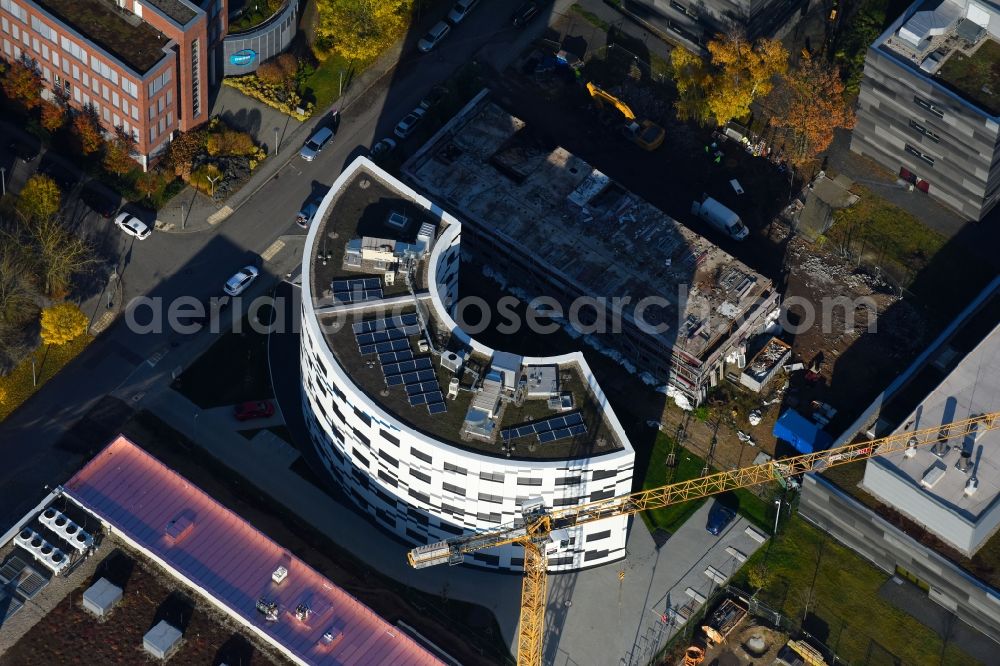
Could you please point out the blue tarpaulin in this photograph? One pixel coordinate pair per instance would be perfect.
(800, 432)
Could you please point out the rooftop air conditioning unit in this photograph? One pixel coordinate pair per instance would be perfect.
(60, 523)
(971, 486)
(42, 550)
(279, 575)
(451, 361)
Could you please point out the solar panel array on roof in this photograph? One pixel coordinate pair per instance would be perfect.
(354, 291)
(400, 321)
(410, 378)
(549, 430)
(421, 363)
(384, 347)
(395, 357)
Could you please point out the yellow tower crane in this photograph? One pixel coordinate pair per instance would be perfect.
(537, 523)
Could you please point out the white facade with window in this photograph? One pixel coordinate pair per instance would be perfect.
(424, 489)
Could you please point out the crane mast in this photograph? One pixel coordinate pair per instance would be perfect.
(537, 525)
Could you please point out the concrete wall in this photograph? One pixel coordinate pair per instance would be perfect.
(265, 41)
(863, 531)
(960, 139)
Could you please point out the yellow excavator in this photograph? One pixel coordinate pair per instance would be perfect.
(537, 523)
(644, 133)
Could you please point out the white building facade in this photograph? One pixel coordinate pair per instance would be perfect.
(425, 489)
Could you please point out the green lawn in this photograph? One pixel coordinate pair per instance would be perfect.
(323, 85)
(17, 386)
(688, 467)
(976, 77)
(886, 234)
(845, 610)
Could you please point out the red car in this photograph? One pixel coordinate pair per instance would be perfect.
(255, 409)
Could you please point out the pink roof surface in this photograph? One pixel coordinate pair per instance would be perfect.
(232, 561)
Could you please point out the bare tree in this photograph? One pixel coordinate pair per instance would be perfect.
(60, 255)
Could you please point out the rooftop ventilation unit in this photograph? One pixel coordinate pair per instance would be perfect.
(971, 486)
(911, 447)
(279, 575)
(302, 612)
(60, 523)
(933, 476)
(44, 552)
(331, 637)
(451, 361)
(397, 221)
(964, 463)
(941, 447)
(268, 609)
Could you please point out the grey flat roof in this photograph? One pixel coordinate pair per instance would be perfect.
(122, 34)
(176, 9)
(972, 388)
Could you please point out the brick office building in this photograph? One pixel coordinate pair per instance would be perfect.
(143, 65)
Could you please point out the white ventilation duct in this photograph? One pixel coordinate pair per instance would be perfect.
(43, 551)
(60, 523)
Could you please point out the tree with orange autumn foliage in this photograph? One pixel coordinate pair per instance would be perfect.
(53, 116)
(117, 153)
(87, 131)
(809, 104)
(722, 88)
(22, 84)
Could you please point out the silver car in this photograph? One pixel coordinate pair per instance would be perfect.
(237, 284)
(315, 144)
(438, 32)
(133, 226)
(461, 9)
(405, 127)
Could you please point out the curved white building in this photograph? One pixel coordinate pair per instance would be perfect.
(503, 429)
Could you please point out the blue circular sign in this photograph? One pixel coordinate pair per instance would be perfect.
(243, 58)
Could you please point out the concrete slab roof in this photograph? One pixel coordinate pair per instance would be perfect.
(585, 228)
(972, 388)
(228, 560)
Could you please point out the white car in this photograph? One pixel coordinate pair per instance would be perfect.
(461, 10)
(133, 226)
(406, 126)
(438, 32)
(237, 284)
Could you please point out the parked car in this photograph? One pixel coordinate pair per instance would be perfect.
(26, 151)
(305, 216)
(460, 10)
(98, 202)
(719, 517)
(523, 14)
(406, 126)
(255, 409)
(133, 226)
(315, 144)
(237, 284)
(433, 97)
(383, 147)
(433, 37)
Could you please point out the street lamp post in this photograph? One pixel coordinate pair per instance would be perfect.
(777, 514)
(213, 180)
(3, 179)
(277, 142)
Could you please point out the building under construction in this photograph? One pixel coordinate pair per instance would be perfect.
(674, 305)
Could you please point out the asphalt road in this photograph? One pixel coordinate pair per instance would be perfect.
(170, 265)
